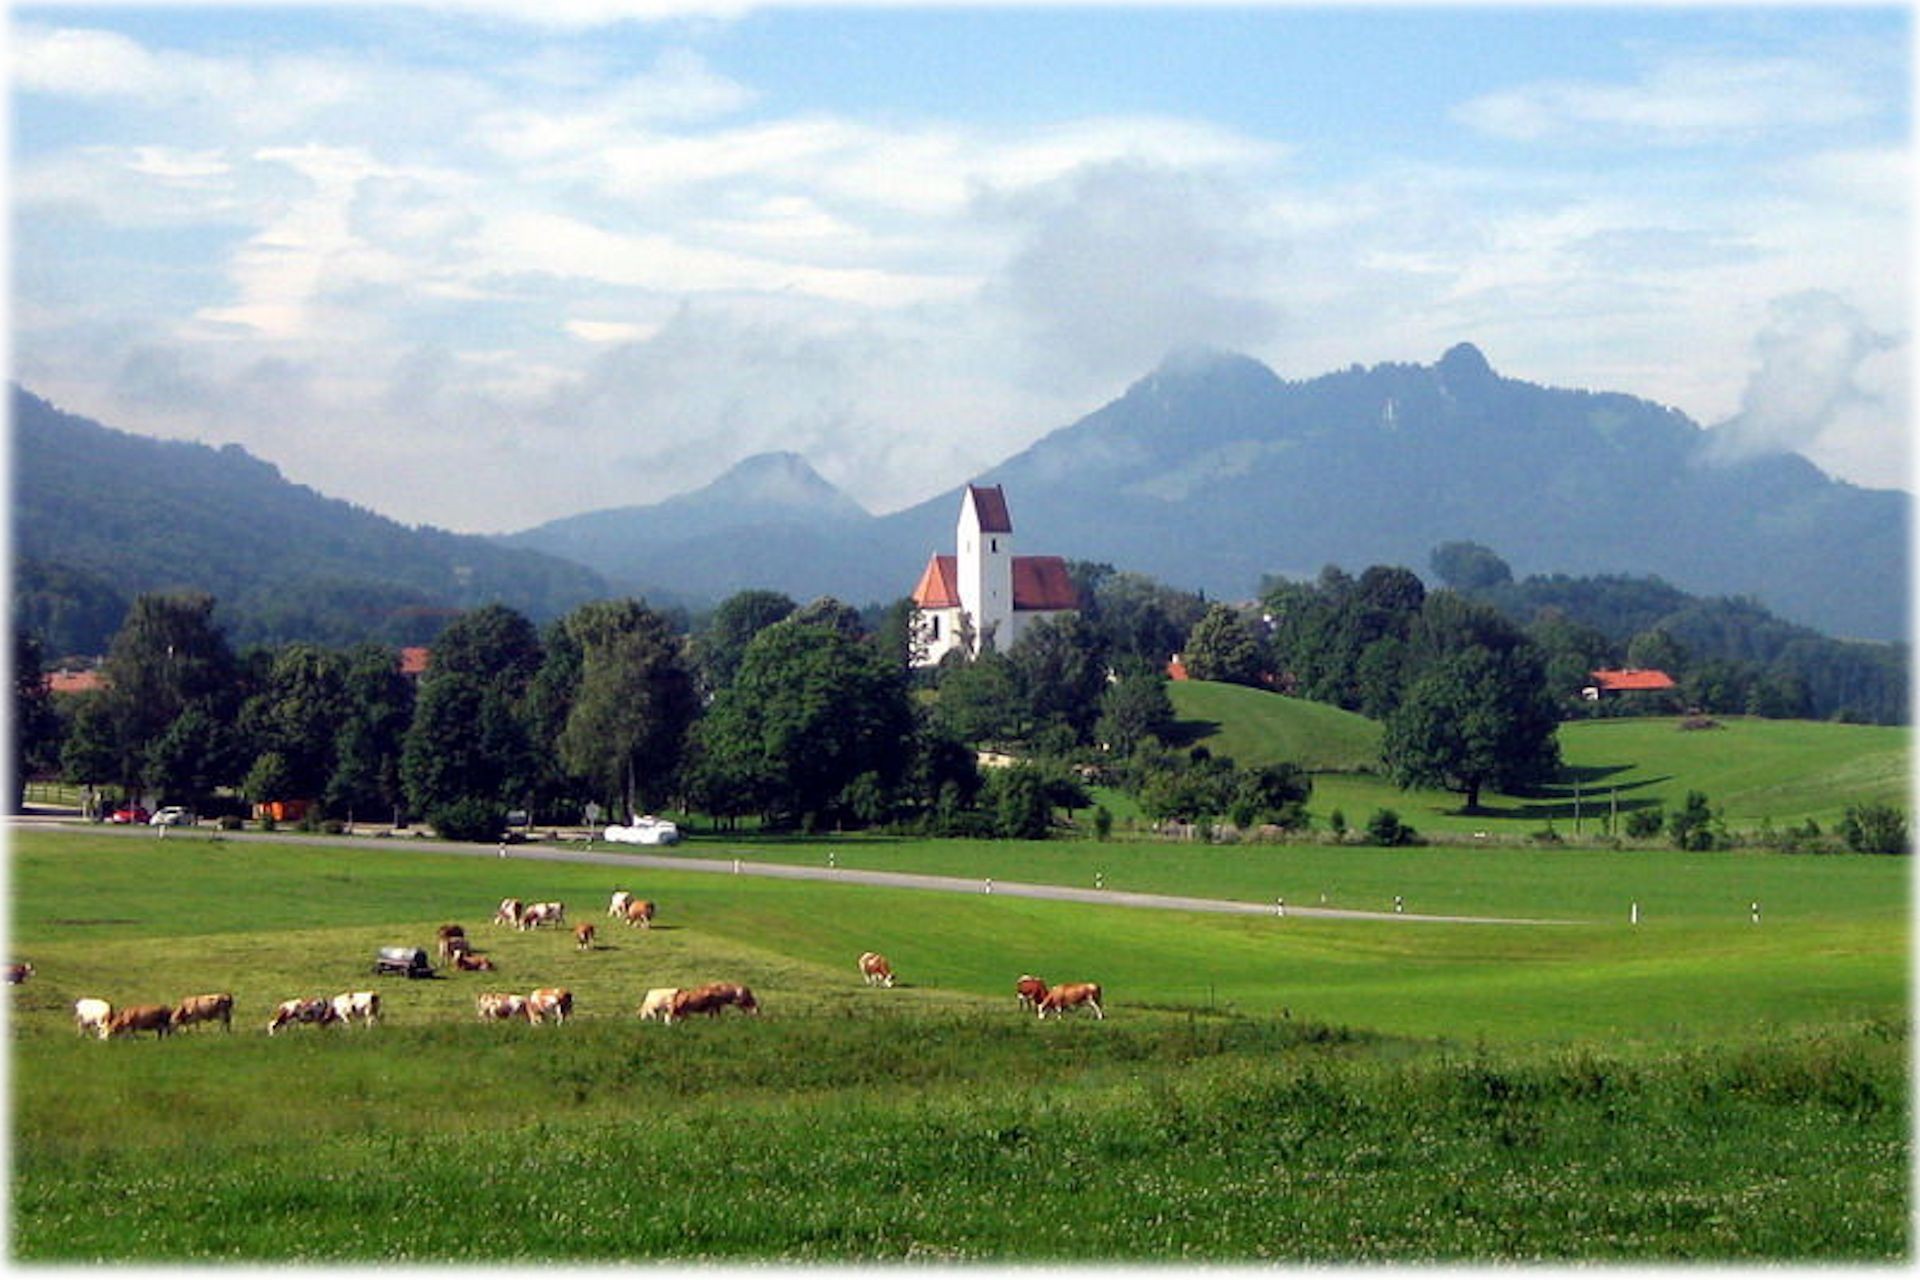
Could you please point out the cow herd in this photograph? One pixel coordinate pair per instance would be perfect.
(543, 1005)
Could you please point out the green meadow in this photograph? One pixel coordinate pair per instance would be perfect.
(1783, 772)
(1264, 1089)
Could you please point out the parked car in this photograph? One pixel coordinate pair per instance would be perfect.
(129, 814)
(171, 816)
(645, 830)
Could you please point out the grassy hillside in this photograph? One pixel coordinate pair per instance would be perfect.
(1781, 771)
(1263, 1089)
(1257, 727)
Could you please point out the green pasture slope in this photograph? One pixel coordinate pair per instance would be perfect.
(1780, 771)
(1293, 1089)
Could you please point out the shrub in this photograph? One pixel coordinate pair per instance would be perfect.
(1875, 828)
(1691, 828)
(1645, 824)
(469, 818)
(1102, 822)
(1385, 829)
(1337, 824)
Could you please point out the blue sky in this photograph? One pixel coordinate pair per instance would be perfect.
(482, 265)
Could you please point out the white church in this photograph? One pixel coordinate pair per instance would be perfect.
(984, 596)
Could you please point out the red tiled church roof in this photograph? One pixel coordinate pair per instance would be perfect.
(1039, 582)
(1632, 680)
(990, 504)
(1042, 582)
(940, 585)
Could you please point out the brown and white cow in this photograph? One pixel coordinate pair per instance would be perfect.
(499, 1005)
(1030, 990)
(363, 1005)
(539, 913)
(157, 1018)
(549, 1004)
(617, 908)
(710, 1000)
(510, 911)
(583, 936)
(18, 973)
(1071, 995)
(468, 962)
(875, 969)
(452, 938)
(658, 1003)
(317, 1011)
(217, 1007)
(92, 1014)
(640, 913)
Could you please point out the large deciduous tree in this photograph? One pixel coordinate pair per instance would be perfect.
(628, 724)
(1477, 713)
(168, 656)
(810, 711)
(1224, 647)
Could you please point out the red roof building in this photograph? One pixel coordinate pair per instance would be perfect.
(1626, 680)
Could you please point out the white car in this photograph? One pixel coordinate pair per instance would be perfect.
(646, 830)
(171, 816)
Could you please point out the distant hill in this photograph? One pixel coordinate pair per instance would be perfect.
(98, 511)
(1214, 472)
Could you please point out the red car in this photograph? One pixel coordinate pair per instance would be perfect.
(131, 813)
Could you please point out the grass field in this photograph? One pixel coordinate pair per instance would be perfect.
(1782, 771)
(1695, 1088)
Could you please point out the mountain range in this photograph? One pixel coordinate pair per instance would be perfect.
(1213, 472)
(100, 516)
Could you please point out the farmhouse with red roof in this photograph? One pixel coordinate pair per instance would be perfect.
(1626, 680)
(984, 596)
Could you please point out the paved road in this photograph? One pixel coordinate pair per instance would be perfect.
(719, 862)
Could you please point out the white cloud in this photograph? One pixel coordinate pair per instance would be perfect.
(1121, 262)
(1683, 101)
(1811, 358)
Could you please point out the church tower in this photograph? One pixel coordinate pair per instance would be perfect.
(984, 541)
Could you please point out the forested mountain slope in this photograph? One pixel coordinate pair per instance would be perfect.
(128, 514)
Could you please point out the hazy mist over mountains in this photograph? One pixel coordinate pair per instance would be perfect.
(1209, 473)
(1213, 471)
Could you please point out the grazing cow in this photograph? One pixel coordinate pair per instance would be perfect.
(1030, 990)
(539, 913)
(90, 1014)
(710, 1000)
(452, 938)
(618, 907)
(658, 1004)
(583, 936)
(493, 1005)
(157, 1018)
(511, 909)
(875, 969)
(209, 1008)
(1071, 995)
(640, 912)
(467, 961)
(549, 1003)
(18, 973)
(364, 1005)
(318, 1011)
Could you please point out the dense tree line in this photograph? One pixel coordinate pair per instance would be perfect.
(1730, 654)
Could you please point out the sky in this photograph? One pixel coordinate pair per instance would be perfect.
(483, 265)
